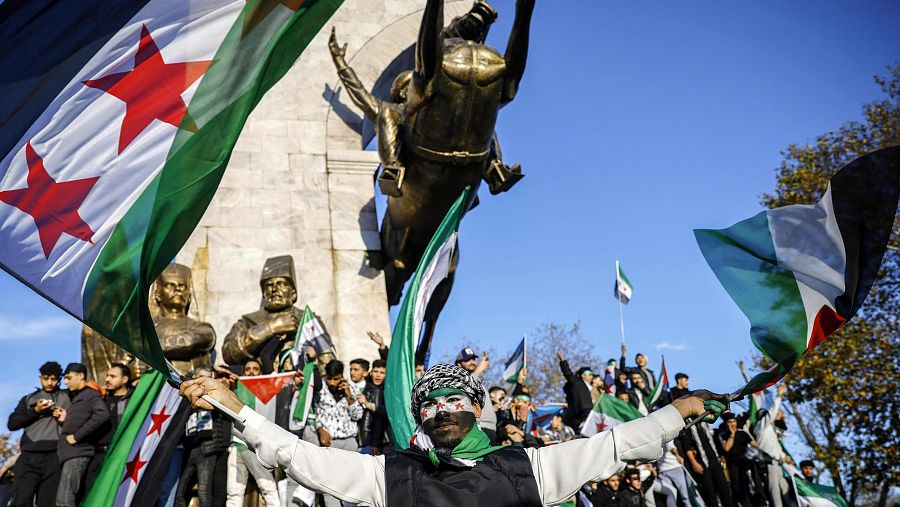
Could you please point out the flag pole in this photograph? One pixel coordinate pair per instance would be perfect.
(525, 351)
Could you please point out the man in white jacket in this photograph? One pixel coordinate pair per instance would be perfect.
(450, 460)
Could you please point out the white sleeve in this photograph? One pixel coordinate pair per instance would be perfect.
(560, 470)
(347, 475)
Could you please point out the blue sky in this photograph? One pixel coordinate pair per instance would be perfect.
(636, 123)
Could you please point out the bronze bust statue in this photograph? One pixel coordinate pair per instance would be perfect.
(437, 136)
(185, 341)
(264, 333)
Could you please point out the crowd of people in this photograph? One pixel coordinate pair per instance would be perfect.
(67, 432)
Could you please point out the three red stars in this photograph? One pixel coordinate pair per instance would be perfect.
(157, 421)
(151, 90)
(133, 468)
(53, 206)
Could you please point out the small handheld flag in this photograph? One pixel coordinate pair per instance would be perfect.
(310, 333)
(801, 272)
(515, 364)
(661, 387)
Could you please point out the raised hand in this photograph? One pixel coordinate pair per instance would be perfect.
(285, 323)
(377, 338)
(337, 51)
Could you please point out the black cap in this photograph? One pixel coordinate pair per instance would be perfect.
(584, 369)
(75, 368)
(466, 354)
(680, 375)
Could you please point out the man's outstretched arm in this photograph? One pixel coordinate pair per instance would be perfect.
(560, 470)
(361, 480)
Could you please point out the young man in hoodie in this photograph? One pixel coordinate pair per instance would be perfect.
(37, 469)
(82, 428)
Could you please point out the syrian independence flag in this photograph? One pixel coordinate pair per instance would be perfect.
(661, 387)
(310, 333)
(259, 392)
(515, 364)
(623, 288)
(431, 271)
(800, 272)
(144, 428)
(816, 495)
(607, 413)
(303, 403)
(116, 125)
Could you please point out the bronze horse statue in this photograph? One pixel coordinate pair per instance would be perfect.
(436, 135)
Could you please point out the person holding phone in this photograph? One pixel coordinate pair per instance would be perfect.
(37, 469)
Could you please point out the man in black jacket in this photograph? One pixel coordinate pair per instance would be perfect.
(118, 392)
(578, 393)
(207, 435)
(632, 493)
(374, 423)
(82, 428)
(37, 469)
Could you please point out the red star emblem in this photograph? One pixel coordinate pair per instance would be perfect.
(424, 413)
(53, 206)
(459, 405)
(157, 421)
(440, 406)
(151, 90)
(601, 426)
(133, 468)
(253, 15)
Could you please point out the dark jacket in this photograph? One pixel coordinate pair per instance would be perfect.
(209, 430)
(628, 497)
(85, 420)
(41, 430)
(647, 374)
(504, 477)
(116, 406)
(578, 397)
(605, 496)
(373, 425)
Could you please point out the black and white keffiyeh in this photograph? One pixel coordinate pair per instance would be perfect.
(441, 376)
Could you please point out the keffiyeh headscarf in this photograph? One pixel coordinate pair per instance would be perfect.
(444, 376)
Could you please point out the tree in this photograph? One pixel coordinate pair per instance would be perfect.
(844, 392)
(544, 378)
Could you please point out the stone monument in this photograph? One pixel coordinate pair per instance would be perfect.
(300, 183)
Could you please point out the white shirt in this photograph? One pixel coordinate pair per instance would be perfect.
(766, 436)
(560, 470)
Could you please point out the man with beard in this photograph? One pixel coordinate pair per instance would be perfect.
(118, 392)
(450, 460)
(263, 334)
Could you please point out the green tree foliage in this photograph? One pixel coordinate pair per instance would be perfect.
(544, 379)
(845, 392)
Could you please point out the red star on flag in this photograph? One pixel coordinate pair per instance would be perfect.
(133, 468)
(53, 206)
(151, 90)
(253, 15)
(157, 421)
(601, 426)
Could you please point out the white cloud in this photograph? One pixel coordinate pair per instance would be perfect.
(12, 329)
(671, 346)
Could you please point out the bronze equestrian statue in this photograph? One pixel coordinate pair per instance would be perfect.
(437, 136)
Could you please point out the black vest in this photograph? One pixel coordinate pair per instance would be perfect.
(504, 478)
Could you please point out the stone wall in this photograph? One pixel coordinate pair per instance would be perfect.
(300, 182)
